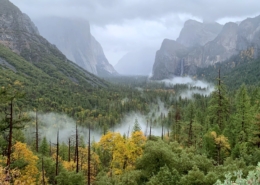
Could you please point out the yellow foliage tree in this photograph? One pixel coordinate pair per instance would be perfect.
(6, 176)
(124, 151)
(222, 144)
(30, 174)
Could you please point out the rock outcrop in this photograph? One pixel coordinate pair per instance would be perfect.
(73, 38)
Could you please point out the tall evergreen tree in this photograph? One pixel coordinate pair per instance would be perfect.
(255, 136)
(219, 105)
(244, 115)
(44, 147)
(136, 126)
(190, 115)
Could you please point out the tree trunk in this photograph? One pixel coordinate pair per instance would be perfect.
(10, 135)
(77, 150)
(57, 155)
(43, 178)
(69, 151)
(89, 157)
(36, 134)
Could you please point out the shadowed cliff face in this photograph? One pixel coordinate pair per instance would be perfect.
(169, 60)
(73, 38)
(233, 39)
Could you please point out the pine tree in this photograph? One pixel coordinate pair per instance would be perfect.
(255, 136)
(44, 147)
(190, 115)
(136, 126)
(219, 105)
(243, 115)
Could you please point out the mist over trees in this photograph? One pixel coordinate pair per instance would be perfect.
(166, 139)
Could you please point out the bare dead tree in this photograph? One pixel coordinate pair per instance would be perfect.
(10, 133)
(162, 124)
(150, 135)
(43, 178)
(146, 128)
(57, 155)
(77, 150)
(89, 155)
(50, 149)
(69, 151)
(36, 132)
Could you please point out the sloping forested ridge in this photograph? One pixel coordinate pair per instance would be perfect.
(43, 85)
(237, 70)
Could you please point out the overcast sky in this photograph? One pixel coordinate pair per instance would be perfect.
(127, 25)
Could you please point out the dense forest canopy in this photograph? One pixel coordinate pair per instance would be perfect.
(168, 138)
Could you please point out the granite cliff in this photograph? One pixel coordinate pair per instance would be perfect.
(73, 38)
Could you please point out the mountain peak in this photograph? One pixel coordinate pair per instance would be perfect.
(195, 33)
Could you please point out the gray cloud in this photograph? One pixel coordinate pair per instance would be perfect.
(103, 12)
(126, 25)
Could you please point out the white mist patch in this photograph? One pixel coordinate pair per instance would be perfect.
(50, 123)
(127, 124)
(125, 100)
(195, 86)
(150, 75)
(145, 121)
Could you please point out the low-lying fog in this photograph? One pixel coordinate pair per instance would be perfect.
(50, 123)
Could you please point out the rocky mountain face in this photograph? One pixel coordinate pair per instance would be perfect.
(16, 28)
(136, 63)
(18, 33)
(73, 38)
(195, 33)
(233, 39)
(169, 60)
